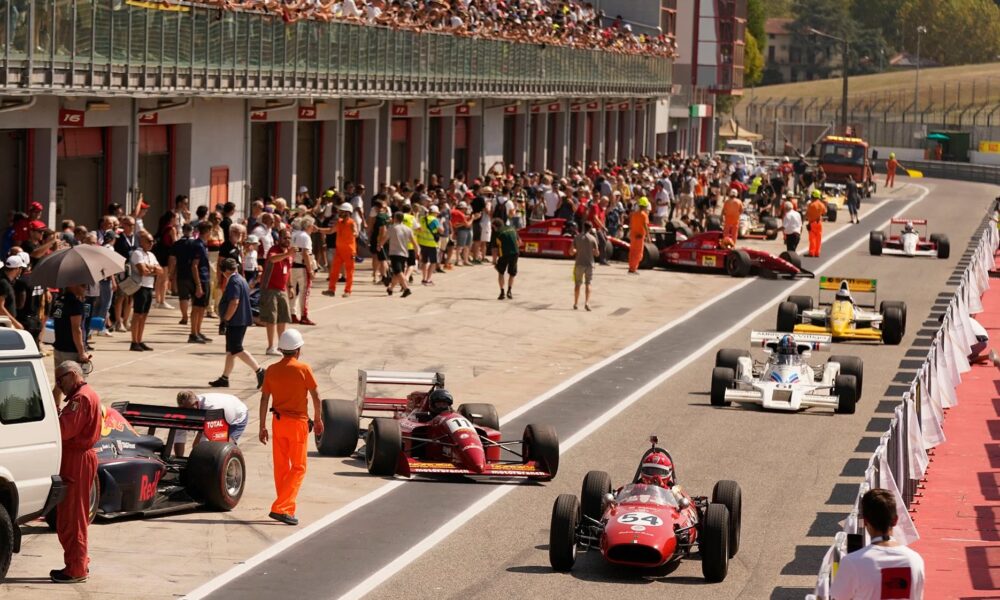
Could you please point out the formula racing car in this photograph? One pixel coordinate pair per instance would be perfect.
(843, 317)
(423, 435)
(551, 238)
(648, 522)
(753, 225)
(706, 251)
(137, 475)
(785, 381)
(908, 237)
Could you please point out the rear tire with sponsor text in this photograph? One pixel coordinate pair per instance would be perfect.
(791, 257)
(876, 239)
(722, 379)
(562, 532)
(738, 263)
(846, 389)
(95, 499)
(788, 317)
(216, 474)
(893, 325)
(729, 494)
(541, 444)
(595, 485)
(484, 415)
(714, 543)
(851, 365)
(383, 445)
(340, 428)
(942, 243)
(650, 256)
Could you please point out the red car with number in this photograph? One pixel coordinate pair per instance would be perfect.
(706, 251)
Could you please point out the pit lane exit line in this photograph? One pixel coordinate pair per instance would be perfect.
(450, 526)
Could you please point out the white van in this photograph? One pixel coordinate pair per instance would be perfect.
(740, 147)
(30, 441)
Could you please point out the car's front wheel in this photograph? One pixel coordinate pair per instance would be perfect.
(562, 532)
(94, 501)
(6, 541)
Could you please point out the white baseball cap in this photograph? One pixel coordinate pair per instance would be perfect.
(14, 262)
(434, 210)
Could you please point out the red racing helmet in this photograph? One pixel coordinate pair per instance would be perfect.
(657, 469)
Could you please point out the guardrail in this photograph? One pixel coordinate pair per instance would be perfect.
(111, 47)
(900, 461)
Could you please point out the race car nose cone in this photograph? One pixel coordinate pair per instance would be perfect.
(474, 458)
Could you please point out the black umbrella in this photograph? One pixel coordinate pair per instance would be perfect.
(79, 265)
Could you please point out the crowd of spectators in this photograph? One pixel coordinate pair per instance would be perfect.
(557, 22)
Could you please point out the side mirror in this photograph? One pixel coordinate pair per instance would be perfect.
(609, 498)
(684, 502)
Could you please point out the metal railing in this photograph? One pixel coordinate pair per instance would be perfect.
(110, 47)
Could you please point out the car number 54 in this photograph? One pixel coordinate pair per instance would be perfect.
(637, 518)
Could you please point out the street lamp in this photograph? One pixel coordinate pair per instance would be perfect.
(845, 53)
(916, 86)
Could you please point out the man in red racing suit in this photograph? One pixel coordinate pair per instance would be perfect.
(80, 422)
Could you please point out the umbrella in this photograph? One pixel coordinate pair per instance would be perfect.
(941, 137)
(79, 265)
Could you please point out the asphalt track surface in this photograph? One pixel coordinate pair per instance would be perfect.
(789, 465)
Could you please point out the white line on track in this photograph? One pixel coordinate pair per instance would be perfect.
(482, 504)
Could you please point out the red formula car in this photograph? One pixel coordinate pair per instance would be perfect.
(551, 238)
(422, 435)
(705, 251)
(646, 525)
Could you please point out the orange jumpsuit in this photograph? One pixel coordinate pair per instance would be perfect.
(814, 217)
(891, 165)
(80, 423)
(343, 256)
(638, 230)
(289, 382)
(731, 212)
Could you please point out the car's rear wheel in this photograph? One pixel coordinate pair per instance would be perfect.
(943, 245)
(484, 415)
(892, 325)
(722, 379)
(383, 445)
(738, 264)
(729, 357)
(6, 541)
(831, 212)
(541, 444)
(894, 303)
(803, 303)
(714, 543)
(793, 258)
(216, 474)
(595, 485)
(340, 428)
(562, 532)
(95, 500)
(620, 254)
(875, 241)
(650, 256)
(846, 389)
(713, 223)
(851, 365)
(771, 226)
(729, 494)
(788, 317)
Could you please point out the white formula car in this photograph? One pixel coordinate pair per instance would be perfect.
(785, 381)
(908, 237)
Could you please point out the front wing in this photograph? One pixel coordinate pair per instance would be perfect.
(528, 470)
(897, 251)
(866, 333)
(781, 399)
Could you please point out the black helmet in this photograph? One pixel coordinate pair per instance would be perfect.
(440, 397)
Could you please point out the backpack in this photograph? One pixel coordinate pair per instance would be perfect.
(500, 211)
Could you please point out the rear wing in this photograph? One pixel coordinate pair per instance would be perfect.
(803, 341)
(429, 380)
(856, 286)
(211, 423)
(905, 221)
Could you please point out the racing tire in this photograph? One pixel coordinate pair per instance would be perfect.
(714, 543)
(846, 389)
(788, 317)
(738, 264)
(650, 256)
(95, 500)
(620, 254)
(7, 534)
(831, 212)
(728, 357)
(898, 304)
(383, 445)
(771, 226)
(340, 428)
(943, 245)
(728, 493)
(876, 240)
(595, 485)
(682, 228)
(483, 415)
(562, 532)
(541, 444)
(793, 258)
(216, 474)
(713, 223)
(802, 303)
(851, 365)
(722, 379)
(893, 325)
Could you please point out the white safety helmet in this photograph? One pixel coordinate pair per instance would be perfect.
(290, 340)
(346, 207)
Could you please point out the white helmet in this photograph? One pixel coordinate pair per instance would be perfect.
(346, 207)
(290, 340)
(844, 293)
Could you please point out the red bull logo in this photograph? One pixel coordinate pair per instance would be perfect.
(147, 487)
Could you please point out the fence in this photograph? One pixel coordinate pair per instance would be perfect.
(900, 460)
(109, 46)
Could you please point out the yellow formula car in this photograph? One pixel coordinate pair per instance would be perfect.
(843, 317)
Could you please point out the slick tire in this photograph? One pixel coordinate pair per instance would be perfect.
(943, 245)
(562, 532)
(383, 445)
(483, 415)
(894, 303)
(771, 226)
(682, 228)
(6, 541)
(730, 358)
(95, 498)
(340, 428)
(893, 326)
(846, 389)
(714, 543)
(729, 494)
(650, 256)
(738, 264)
(802, 303)
(595, 485)
(851, 365)
(713, 223)
(876, 239)
(788, 317)
(620, 254)
(216, 474)
(793, 258)
(541, 444)
(722, 379)
(831, 212)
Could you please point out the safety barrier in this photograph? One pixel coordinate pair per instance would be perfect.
(900, 461)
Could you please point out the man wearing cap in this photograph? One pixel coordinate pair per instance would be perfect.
(8, 297)
(890, 170)
(302, 268)
(290, 382)
(346, 232)
(462, 231)
(814, 222)
(40, 241)
(638, 233)
(24, 226)
(731, 211)
(302, 198)
(427, 238)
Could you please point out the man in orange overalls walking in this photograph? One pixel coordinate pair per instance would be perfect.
(731, 212)
(890, 166)
(638, 232)
(290, 382)
(80, 423)
(814, 222)
(347, 248)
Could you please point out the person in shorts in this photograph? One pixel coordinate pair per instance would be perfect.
(507, 252)
(398, 236)
(584, 251)
(236, 316)
(145, 263)
(275, 310)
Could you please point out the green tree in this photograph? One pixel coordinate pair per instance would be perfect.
(753, 61)
(882, 16)
(829, 16)
(958, 31)
(756, 18)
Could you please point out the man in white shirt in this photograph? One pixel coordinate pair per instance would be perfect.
(884, 569)
(236, 413)
(263, 233)
(302, 269)
(551, 198)
(664, 198)
(791, 224)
